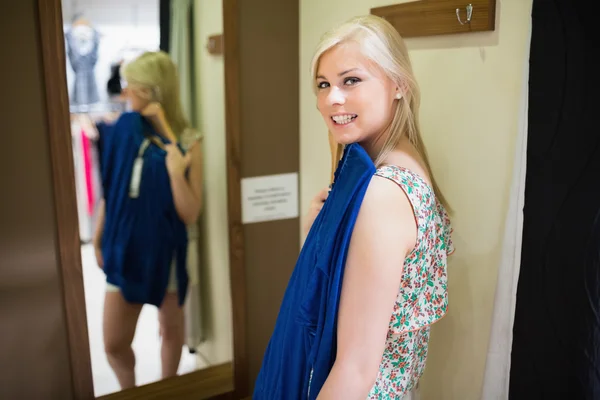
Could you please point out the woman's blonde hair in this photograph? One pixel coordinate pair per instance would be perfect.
(382, 44)
(155, 71)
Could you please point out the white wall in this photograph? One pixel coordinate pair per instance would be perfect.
(471, 88)
(210, 98)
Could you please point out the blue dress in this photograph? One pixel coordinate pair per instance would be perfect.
(303, 346)
(143, 234)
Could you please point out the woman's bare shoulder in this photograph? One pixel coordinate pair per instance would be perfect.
(189, 136)
(387, 211)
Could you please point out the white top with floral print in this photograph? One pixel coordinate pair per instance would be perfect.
(423, 295)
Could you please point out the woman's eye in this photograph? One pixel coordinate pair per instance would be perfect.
(351, 81)
(322, 85)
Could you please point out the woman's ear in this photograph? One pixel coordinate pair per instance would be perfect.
(149, 94)
(144, 93)
(156, 94)
(401, 89)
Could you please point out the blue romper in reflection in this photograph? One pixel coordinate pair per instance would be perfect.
(144, 235)
(303, 346)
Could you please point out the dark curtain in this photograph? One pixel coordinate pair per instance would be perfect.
(165, 38)
(556, 344)
(165, 24)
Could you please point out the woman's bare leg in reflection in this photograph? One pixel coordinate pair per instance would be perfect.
(172, 332)
(120, 320)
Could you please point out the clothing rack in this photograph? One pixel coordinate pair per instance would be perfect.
(97, 108)
(88, 183)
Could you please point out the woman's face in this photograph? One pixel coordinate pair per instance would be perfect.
(138, 97)
(354, 96)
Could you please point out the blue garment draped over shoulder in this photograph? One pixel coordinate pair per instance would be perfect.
(143, 235)
(303, 346)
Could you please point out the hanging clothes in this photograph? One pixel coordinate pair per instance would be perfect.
(86, 229)
(82, 50)
(87, 166)
(555, 352)
(143, 233)
(87, 176)
(114, 83)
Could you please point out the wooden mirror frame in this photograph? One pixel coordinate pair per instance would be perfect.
(227, 381)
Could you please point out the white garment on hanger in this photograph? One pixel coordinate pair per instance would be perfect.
(497, 370)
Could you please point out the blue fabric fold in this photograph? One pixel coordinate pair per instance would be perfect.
(302, 348)
(142, 236)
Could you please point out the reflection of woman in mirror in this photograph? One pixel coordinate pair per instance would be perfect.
(151, 173)
(395, 281)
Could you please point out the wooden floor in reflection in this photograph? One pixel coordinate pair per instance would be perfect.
(146, 343)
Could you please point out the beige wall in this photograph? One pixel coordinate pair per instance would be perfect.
(471, 87)
(210, 100)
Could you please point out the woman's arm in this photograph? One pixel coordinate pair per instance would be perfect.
(314, 209)
(385, 232)
(187, 193)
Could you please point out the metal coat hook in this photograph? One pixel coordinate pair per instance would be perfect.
(469, 9)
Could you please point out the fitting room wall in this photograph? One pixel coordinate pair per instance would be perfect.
(269, 51)
(33, 350)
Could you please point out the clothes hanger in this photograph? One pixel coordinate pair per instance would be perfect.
(82, 22)
(79, 19)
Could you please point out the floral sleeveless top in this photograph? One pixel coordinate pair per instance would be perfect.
(423, 295)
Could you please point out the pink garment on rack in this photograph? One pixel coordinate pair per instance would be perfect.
(87, 163)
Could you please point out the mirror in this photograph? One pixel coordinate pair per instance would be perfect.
(141, 76)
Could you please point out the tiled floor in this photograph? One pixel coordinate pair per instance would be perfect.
(146, 343)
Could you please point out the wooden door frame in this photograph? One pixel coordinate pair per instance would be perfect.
(228, 381)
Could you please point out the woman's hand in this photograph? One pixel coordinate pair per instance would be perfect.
(315, 207)
(156, 114)
(177, 163)
(154, 111)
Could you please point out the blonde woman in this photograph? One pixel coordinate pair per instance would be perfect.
(152, 178)
(392, 278)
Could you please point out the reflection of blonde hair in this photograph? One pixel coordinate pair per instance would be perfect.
(156, 72)
(382, 44)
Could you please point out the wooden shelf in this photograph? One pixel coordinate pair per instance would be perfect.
(438, 17)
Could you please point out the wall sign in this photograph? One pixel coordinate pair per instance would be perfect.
(269, 198)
